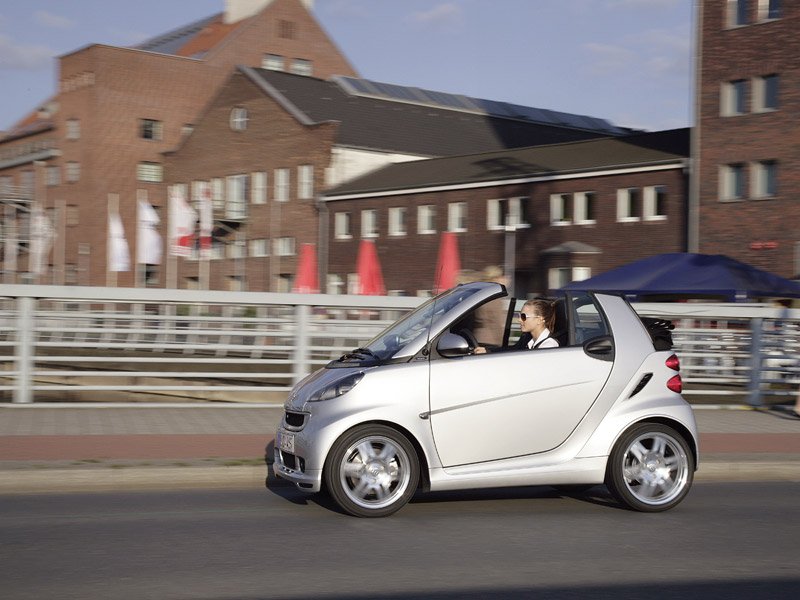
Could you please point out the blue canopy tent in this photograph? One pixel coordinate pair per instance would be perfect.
(686, 275)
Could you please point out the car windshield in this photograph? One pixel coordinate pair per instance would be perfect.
(413, 326)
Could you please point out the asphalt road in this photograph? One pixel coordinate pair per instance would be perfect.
(737, 540)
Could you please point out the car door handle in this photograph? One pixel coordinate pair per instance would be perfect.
(601, 348)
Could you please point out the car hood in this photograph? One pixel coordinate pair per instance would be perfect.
(298, 397)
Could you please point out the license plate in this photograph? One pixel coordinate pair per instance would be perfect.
(286, 442)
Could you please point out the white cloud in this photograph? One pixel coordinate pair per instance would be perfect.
(23, 57)
(48, 19)
(443, 14)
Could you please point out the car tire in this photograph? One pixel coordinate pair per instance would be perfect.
(651, 468)
(371, 471)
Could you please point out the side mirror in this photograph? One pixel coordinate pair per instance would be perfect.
(451, 345)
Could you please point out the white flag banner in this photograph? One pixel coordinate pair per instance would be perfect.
(119, 256)
(206, 218)
(42, 234)
(182, 221)
(148, 240)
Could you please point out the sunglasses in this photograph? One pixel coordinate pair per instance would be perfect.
(523, 316)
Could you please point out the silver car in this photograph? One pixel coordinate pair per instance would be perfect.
(416, 409)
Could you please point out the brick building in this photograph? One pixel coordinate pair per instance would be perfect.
(97, 145)
(567, 211)
(270, 143)
(748, 133)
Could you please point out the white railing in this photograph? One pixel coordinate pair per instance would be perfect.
(81, 343)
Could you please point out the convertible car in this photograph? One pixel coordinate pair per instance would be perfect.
(416, 409)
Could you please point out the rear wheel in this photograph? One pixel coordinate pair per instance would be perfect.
(372, 471)
(650, 468)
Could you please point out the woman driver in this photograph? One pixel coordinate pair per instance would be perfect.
(536, 319)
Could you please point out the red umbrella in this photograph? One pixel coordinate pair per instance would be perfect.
(370, 279)
(448, 265)
(307, 279)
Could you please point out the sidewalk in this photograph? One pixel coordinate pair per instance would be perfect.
(46, 448)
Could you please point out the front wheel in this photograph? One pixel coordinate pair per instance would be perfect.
(372, 471)
(650, 468)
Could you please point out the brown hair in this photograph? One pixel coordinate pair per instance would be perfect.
(545, 308)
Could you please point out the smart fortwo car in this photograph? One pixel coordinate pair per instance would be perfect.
(415, 409)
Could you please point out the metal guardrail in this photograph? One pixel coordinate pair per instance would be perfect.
(81, 343)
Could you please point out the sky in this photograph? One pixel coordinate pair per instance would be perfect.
(627, 61)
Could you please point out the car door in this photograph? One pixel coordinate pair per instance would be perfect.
(508, 404)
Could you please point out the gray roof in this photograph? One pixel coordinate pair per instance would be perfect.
(396, 126)
(662, 147)
(172, 41)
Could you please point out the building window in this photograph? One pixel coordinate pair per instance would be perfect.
(457, 217)
(53, 175)
(764, 179)
(305, 182)
(259, 247)
(238, 118)
(769, 10)
(585, 206)
(737, 13)
(397, 221)
(500, 213)
(628, 208)
(282, 185)
(150, 172)
(218, 194)
(426, 219)
(237, 249)
(301, 66)
(258, 193)
(273, 62)
(341, 226)
(73, 170)
(733, 98)
(284, 246)
(731, 180)
(561, 276)
(73, 129)
(335, 284)
(236, 205)
(187, 129)
(369, 223)
(559, 209)
(287, 29)
(765, 93)
(655, 203)
(217, 250)
(150, 129)
(72, 216)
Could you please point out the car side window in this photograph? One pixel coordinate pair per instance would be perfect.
(587, 319)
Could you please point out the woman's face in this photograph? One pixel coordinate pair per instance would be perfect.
(530, 321)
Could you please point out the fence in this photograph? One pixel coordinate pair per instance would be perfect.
(81, 343)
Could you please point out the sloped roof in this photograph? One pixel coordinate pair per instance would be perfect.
(662, 147)
(194, 39)
(394, 126)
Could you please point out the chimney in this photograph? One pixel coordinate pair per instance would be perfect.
(236, 10)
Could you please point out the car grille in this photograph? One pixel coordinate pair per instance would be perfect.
(294, 419)
(295, 463)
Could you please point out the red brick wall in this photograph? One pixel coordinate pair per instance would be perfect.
(740, 228)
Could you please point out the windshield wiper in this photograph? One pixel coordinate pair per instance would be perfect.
(358, 352)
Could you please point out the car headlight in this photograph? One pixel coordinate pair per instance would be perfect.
(337, 388)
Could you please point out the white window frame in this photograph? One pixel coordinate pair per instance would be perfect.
(513, 216)
(369, 223)
(625, 205)
(273, 62)
(305, 182)
(335, 284)
(759, 98)
(151, 129)
(258, 187)
(302, 66)
(457, 217)
(72, 171)
(764, 10)
(282, 185)
(650, 196)
(237, 249)
(150, 172)
(426, 219)
(732, 94)
(761, 181)
(236, 196)
(397, 221)
(559, 209)
(285, 246)
(259, 247)
(341, 226)
(239, 118)
(73, 129)
(581, 202)
(727, 182)
(218, 194)
(732, 13)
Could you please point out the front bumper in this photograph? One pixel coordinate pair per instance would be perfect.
(309, 481)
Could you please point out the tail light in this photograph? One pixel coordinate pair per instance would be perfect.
(673, 363)
(675, 384)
